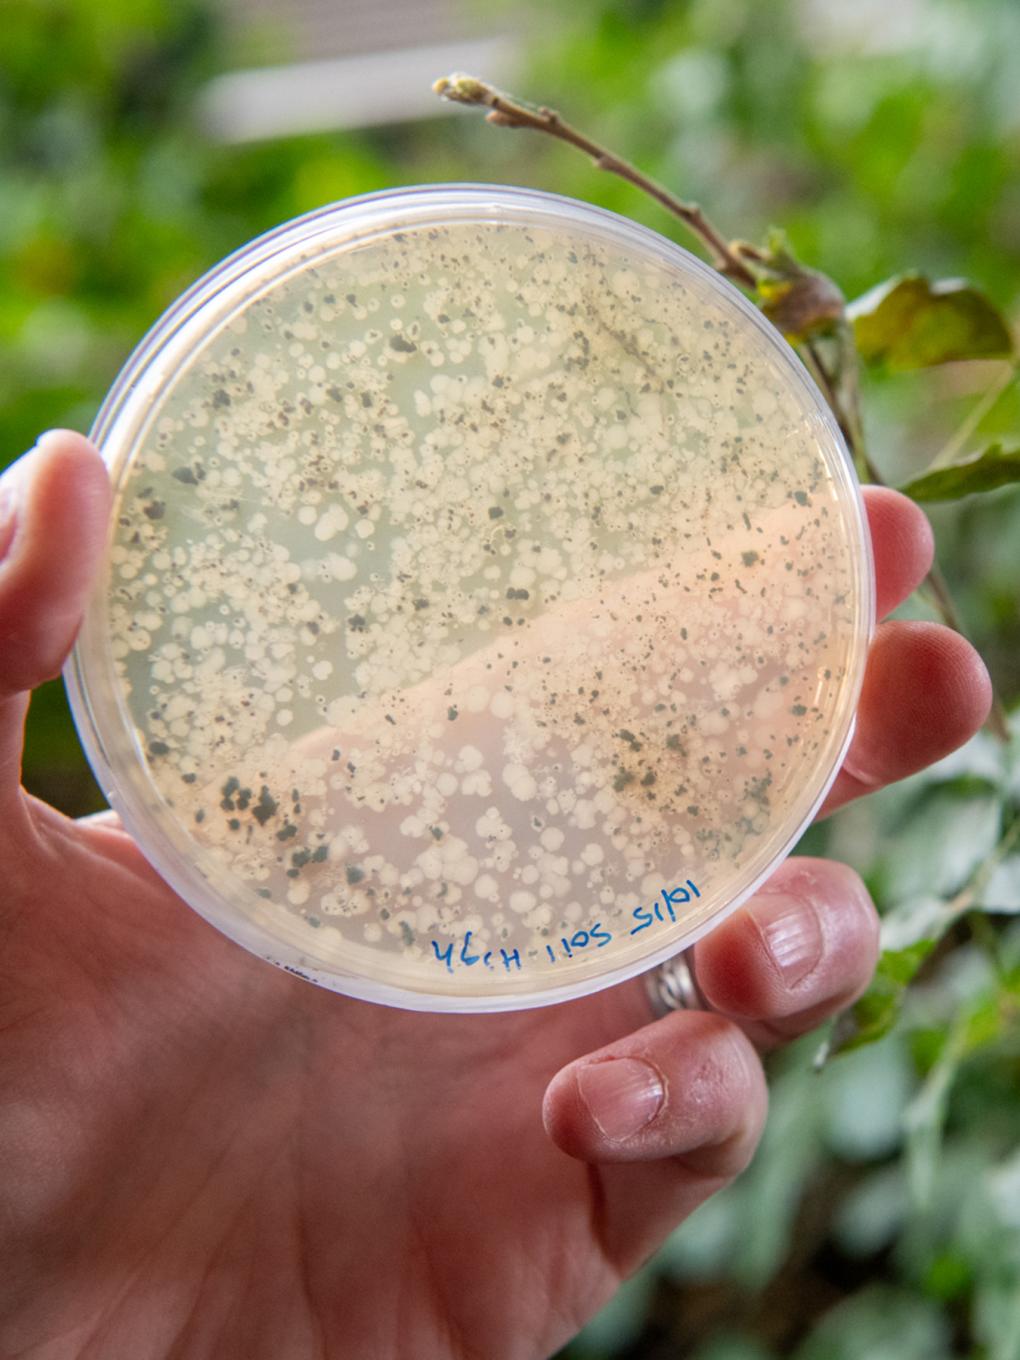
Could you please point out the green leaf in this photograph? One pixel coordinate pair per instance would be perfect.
(1001, 894)
(872, 1213)
(997, 1315)
(925, 1116)
(735, 1347)
(862, 1100)
(618, 1324)
(876, 1323)
(924, 917)
(877, 1011)
(938, 844)
(800, 302)
(746, 1232)
(790, 1153)
(909, 322)
(986, 471)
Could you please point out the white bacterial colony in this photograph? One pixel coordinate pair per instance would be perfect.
(471, 588)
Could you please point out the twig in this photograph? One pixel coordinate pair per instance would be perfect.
(990, 398)
(728, 258)
(963, 904)
(506, 111)
(996, 722)
(938, 589)
(816, 367)
(979, 879)
(847, 416)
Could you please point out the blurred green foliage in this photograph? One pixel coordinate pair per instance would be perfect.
(115, 201)
(882, 1215)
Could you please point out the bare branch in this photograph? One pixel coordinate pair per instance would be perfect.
(744, 263)
(945, 606)
(507, 111)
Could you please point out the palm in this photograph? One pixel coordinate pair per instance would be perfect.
(198, 1150)
(264, 1138)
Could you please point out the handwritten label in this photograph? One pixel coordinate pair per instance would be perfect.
(509, 958)
(466, 955)
(597, 937)
(671, 899)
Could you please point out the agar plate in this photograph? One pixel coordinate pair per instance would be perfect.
(486, 600)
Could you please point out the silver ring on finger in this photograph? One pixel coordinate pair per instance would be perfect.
(672, 986)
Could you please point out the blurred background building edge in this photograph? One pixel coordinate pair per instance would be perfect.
(349, 64)
(340, 93)
(338, 65)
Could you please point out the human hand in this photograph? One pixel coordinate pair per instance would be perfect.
(204, 1155)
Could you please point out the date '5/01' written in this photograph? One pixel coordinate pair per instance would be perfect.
(595, 937)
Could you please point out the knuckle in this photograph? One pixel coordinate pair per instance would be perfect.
(726, 1100)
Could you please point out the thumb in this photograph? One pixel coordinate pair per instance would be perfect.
(54, 505)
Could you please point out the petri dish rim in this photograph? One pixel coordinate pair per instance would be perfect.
(108, 736)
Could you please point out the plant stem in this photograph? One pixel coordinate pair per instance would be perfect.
(506, 111)
(848, 419)
(990, 398)
(978, 881)
(847, 415)
(996, 722)
(816, 367)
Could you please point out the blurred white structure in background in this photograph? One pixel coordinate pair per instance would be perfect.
(350, 63)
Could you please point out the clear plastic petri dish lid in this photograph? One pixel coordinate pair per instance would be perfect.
(486, 599)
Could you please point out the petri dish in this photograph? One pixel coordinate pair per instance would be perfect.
(486, 598)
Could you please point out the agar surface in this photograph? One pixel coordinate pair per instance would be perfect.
(482, 579)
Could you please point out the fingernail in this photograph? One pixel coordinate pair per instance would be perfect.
(860, 766)
(792, 934)
(623, 1095)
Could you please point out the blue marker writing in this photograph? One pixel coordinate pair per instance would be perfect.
(444, 955)
(510, 958)
(671, 898)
